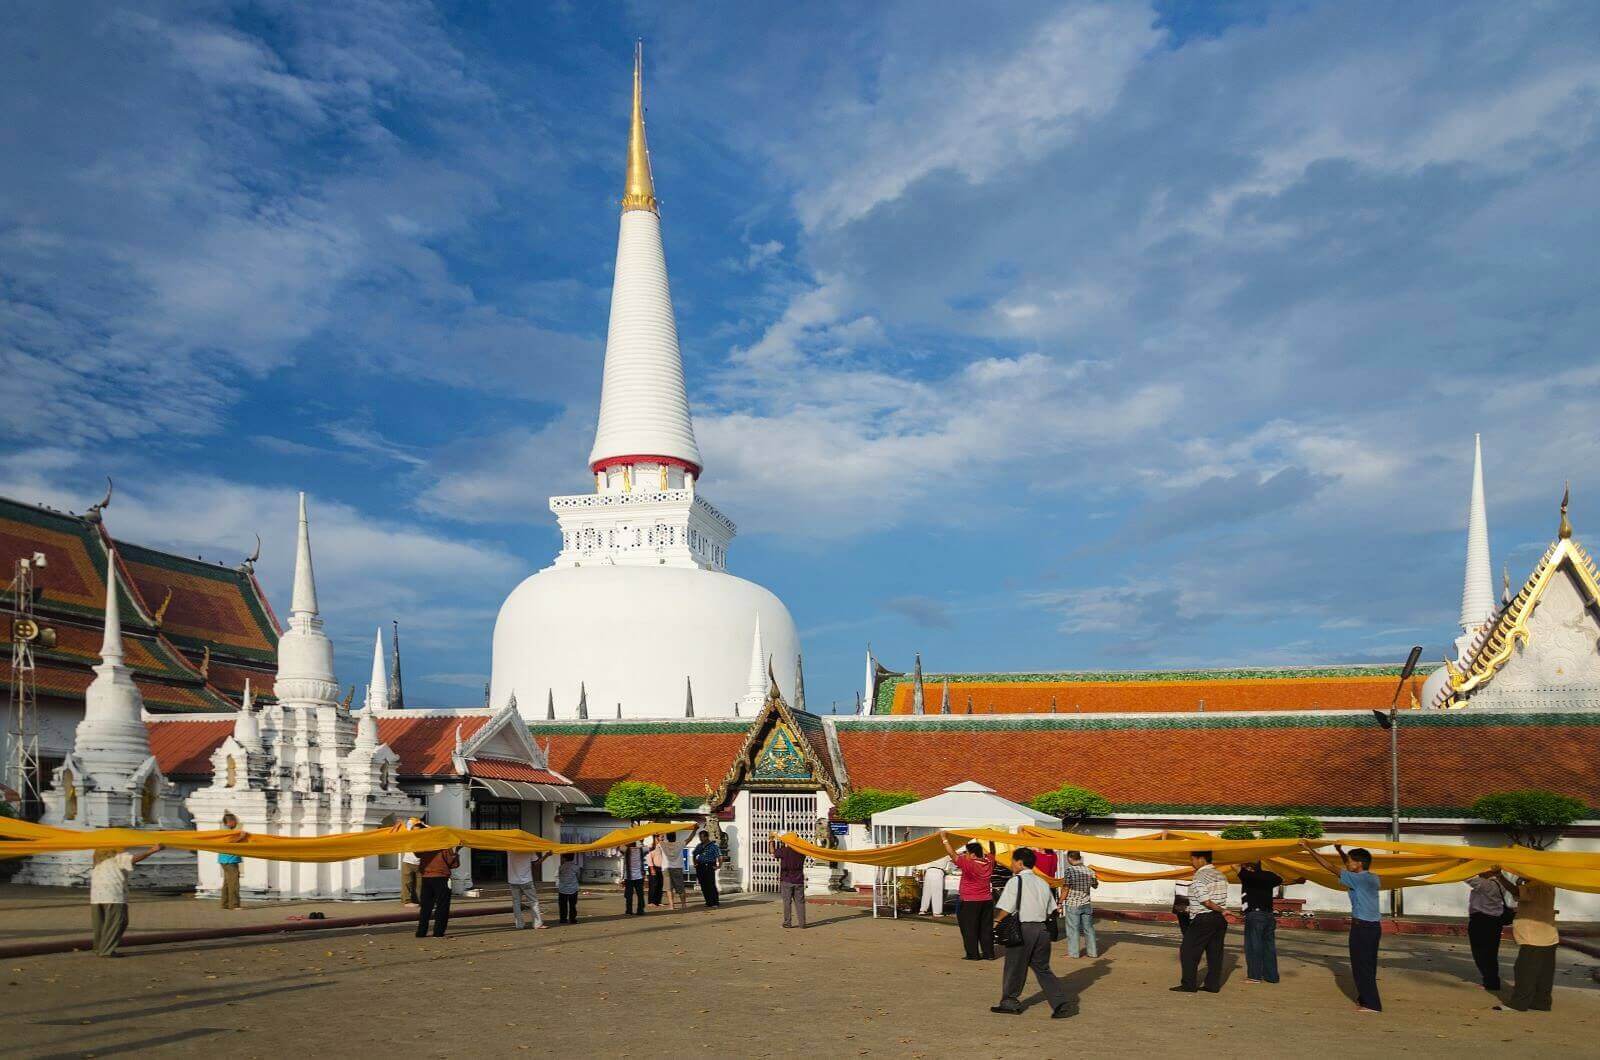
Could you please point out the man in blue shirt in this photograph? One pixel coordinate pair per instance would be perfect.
(1366, 921)
(230, 867)
(707, 858)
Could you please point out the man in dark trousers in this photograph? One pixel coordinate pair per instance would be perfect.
(1208, 926)
(434, 868)
(1486, 921)
(632, 879)
(1260, 923)
(1030, 898)
(707, 858)
(1366, 920)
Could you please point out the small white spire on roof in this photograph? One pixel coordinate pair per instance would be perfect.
(246, 728)
(378, 689)
(550, 705)
(583, 701)
(944, 698)
(688, 696)
(758, 658)
(111, 639)
(304, 601)
(1477, 590)
(799, 682)
(916, 688)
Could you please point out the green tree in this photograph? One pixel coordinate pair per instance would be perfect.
(637, 800)
(859, 806)
(1283, 826)
(1530, 818)
(1074, 805)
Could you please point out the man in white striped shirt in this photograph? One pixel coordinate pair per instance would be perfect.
(1208, 893)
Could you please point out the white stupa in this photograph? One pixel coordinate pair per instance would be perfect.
(639, 598)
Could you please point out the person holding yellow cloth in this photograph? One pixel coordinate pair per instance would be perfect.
(1533, 977)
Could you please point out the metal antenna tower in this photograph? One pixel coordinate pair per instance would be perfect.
(22, 767)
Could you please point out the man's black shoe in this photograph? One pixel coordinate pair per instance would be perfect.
(1182, 989)
(1062, 1012)
(1005, 1010)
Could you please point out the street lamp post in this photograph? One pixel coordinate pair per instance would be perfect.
(1391, 720)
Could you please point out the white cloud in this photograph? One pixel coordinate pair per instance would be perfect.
(975, 116)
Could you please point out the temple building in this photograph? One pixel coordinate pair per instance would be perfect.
(147, 739)
(638, 605)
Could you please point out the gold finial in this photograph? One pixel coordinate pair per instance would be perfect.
(639, 191)
(1566, 524)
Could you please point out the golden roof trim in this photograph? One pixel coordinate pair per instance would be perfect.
(1510, 626)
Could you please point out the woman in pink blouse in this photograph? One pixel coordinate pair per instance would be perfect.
(976, 912)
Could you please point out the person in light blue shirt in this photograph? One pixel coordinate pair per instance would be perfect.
(230, 867)
(1366, 920)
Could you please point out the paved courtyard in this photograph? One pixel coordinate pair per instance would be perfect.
(728, 982)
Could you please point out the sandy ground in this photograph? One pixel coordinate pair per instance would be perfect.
(731, 982)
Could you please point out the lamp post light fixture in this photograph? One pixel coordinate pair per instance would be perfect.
(1390, 720)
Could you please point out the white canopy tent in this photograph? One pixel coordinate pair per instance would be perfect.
(965, 805)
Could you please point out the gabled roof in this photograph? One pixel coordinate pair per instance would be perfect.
(71, 601)
(426, 740)
(212, 606)
(1497, 641)
(1157, 691)
(1329, 763)
(812, 743)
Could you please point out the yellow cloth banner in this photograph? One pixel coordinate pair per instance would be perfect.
(395, 839)
(1395, 864)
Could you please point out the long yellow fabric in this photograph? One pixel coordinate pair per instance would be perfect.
(40, 839)
(1395, 864)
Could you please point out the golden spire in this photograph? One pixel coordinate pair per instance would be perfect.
(1566, 524)
(639, 191)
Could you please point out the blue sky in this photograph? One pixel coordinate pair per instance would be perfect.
(1097, 335)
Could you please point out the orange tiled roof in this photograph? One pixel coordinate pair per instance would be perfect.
(211, 604)
(506, 769)
(72, 600)
(425, 743)
(183, 748)
(1121, 692)
(682, 756)
(1327, 763)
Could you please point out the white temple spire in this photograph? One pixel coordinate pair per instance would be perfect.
(1477, 591)
(917, 705)
(378, 688)
(644, 406)
(111, 641)
(758, 664)
(304, 601)
(688, 697)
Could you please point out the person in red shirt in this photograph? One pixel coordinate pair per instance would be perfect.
(1046, 861)
(976, 912)
(435, 867)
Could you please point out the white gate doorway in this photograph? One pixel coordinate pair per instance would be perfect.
(780, 814)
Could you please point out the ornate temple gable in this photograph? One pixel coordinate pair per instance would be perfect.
(784, 748)
(1542, 649)
(1353, 687)
(504, 736)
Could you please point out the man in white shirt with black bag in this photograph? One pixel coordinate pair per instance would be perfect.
(1029, 898)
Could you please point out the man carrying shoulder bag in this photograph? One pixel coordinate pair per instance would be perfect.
(1021, 917)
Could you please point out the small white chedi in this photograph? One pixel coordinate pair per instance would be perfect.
(639, 598)
(305, 766)
(111, 780)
